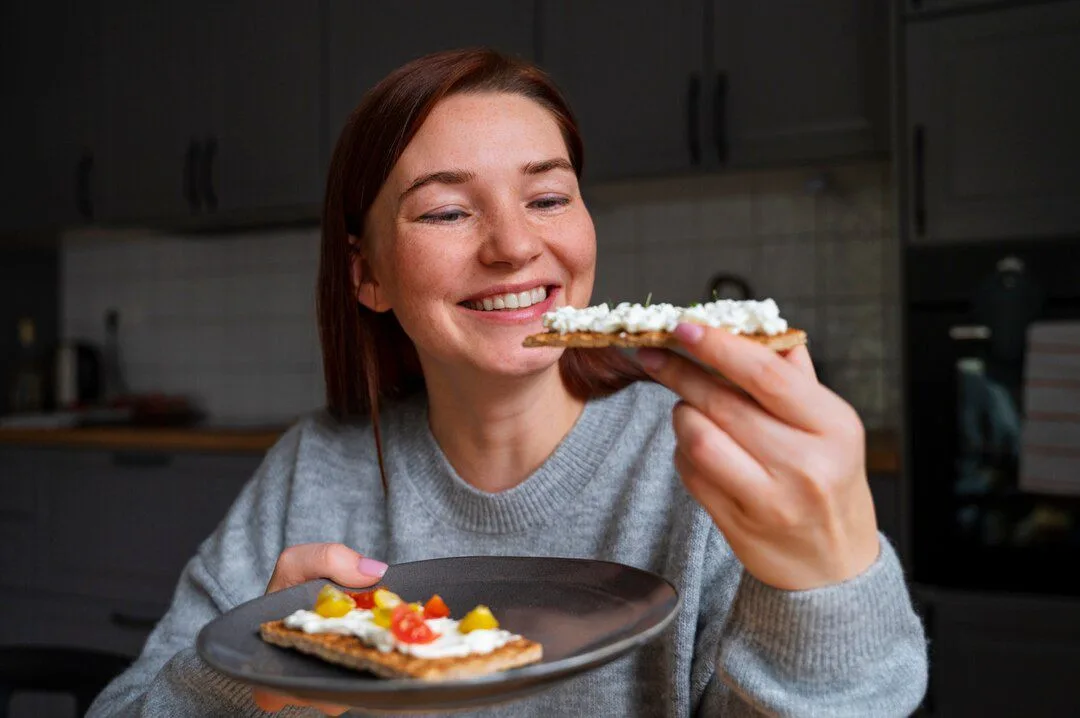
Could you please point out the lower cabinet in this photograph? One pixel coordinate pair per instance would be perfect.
(93, 542)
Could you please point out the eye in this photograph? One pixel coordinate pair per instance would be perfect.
(550, 202)
(444, 217)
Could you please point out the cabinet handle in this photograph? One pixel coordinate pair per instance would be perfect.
(191, 186)
(139, 623)
(83, 174)
(720, 118)
(208, 194)
(918, 178)
(693, 118)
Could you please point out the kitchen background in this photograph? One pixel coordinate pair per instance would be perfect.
(902, 176)
(229, 320)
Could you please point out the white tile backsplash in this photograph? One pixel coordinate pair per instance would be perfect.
(230, 320)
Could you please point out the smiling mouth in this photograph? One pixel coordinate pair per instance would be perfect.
(511, 300)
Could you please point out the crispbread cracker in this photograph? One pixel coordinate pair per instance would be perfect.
(351, 652)
(598, 340)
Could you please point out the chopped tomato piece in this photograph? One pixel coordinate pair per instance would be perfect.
(478, 619)
(408, 626)
(332, 602)
(436, 608)
(364, 599)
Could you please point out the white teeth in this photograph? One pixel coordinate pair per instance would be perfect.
(518, 300)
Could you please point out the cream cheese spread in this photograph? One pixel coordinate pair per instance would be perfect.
(748, 316)
(451, 642)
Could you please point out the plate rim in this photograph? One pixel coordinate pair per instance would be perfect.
(528, 673)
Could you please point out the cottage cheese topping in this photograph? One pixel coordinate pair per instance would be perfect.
(451, 643)
(749, 316)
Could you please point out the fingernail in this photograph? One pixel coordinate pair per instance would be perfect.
(651, 359)
(689, 332)
(373, 568)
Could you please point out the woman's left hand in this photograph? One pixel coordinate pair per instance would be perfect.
(780, 468)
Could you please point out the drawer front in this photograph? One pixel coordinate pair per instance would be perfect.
(124, 526)
(43, 618)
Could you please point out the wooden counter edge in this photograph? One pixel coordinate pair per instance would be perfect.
(146, 439)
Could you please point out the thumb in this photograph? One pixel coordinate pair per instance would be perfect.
(333, 561)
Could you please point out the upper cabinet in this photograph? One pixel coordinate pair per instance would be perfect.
(676, 87)
(798, 81)
(199, 114)
(991, 129)
(208, 109)
(632, 73)
(363, 41)
(49, 54)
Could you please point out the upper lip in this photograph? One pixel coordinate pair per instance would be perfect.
(510, 289)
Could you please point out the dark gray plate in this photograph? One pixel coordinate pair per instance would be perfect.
(585, 613)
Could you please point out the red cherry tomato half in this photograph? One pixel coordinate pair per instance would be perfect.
(408, 626)
(364, 599)
(436, 608)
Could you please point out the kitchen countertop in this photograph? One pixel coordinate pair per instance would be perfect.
(882, 446)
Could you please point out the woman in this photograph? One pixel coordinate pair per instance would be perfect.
(456, 181)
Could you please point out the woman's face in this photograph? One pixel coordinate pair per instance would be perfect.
(480, 229)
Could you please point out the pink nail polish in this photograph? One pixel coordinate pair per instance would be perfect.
(373, 568)
(689, 333)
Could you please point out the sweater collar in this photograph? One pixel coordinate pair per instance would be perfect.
(416, 457)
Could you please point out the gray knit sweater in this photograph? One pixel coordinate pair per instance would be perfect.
(609, 491)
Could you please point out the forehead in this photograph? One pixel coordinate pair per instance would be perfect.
(471, 130)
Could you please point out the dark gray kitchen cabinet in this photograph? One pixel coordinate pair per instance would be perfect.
(364, 41)
(795, 82)
(149, 110)
(49, 53)
(209, 110)
(108, 532)
(632, 72)
(991, 129)
(1001, 656)
(260, 147)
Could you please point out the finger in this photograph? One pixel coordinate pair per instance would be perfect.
(762, 435)
(800, 357)
(333, 561)
(719, 460)
(774, 383)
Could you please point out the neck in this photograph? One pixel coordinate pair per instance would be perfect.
(496, 433)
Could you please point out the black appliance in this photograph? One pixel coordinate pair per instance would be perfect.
(974, 524)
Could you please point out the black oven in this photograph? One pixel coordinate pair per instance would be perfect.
(993, 415)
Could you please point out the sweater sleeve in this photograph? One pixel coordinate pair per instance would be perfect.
(851, 649)
(233, 565)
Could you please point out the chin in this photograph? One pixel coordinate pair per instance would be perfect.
(523, 362)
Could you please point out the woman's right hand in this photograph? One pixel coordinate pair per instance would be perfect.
(305, 562)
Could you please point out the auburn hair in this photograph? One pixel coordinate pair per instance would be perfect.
(367, 357)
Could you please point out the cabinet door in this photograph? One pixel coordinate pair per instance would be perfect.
(364, 41)
(123, 525)
(993, 112)
(261, 147)
(48, 51)
(632, 74)
(149, 80)
(795, 82)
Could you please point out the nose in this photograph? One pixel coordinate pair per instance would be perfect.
(509, 239)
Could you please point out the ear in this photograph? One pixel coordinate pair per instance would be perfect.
(365, 286)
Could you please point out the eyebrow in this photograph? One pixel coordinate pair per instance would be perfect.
(463, 176)
(440, 177)
(536, 168)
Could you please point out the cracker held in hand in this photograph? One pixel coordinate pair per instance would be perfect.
(651, 325)
(376, 631)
